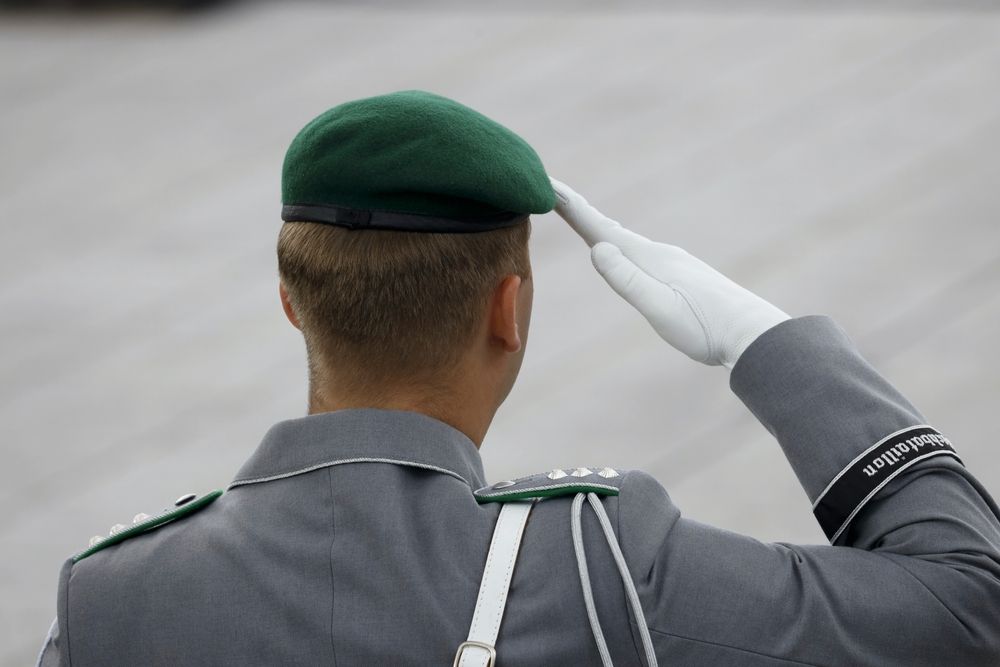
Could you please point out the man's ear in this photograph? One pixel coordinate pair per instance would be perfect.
(503, 314)
(286, 305)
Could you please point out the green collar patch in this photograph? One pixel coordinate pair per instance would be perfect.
(602, 481)
(152, 523)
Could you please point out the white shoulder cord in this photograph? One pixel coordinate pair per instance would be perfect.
(479, 650)
(588, 593)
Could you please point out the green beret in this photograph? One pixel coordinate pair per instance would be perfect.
(411, 161)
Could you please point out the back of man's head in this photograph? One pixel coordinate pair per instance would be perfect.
(403, 213)
(381, 305)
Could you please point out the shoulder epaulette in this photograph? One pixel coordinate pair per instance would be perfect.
(184, 506)
(602, 481)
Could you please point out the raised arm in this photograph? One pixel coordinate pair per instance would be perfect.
(914, 578)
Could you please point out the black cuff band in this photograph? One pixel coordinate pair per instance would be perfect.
(855, 485)
(400, 222)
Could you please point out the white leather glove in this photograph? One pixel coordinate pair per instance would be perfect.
(692, 306)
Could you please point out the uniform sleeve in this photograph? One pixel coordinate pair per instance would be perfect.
(49, 655)
(912, 576)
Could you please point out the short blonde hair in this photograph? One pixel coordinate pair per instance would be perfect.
(376, 305)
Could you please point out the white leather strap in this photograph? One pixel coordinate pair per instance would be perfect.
(480, 648)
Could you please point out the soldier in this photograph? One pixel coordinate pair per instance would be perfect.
(365, 533)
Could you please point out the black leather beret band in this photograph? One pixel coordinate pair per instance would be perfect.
(871, 470)
(400, 222)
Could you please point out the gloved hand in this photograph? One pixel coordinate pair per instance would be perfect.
(692, 306)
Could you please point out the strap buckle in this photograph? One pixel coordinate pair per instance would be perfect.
(491, 660)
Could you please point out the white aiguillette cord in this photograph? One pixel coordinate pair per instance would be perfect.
(588, 593)
(479, 650)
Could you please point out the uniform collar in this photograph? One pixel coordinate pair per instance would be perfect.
(296, 446)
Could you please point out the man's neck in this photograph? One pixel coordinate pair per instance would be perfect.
(469, 414)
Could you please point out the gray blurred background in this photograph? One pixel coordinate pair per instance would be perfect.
(837, 161)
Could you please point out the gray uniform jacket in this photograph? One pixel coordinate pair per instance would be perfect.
(355, 538)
